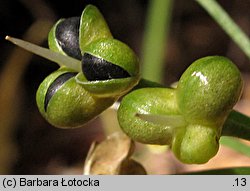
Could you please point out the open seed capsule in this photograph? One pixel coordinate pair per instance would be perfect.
(70, 36)
(110, 68)
(66, 104)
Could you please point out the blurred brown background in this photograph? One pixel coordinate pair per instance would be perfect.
(29, 145)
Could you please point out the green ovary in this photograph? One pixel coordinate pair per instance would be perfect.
(196, 144)
(208, 90)
(68, 109)
(147, 101)
(205, 95)
(71, 106)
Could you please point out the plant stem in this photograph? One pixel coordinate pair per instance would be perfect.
(56, 57)
(156, 30)
(237, 125)
(143, 83)
(227, 24)
(236, 144)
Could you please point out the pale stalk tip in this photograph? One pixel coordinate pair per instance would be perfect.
(60, 59)
(7, 37)
(166, 120)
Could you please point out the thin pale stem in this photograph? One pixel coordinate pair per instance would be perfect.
(60, 59)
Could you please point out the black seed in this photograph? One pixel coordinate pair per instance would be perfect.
(67, 36)
(95, 68)
(56, 85)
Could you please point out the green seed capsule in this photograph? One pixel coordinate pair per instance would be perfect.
(64, 37)
(196, 144)
(159, 101)
(110, 68)
(208, 90)
(66, 104)
(188, 118)
(114, 52)
(92, 27)
(206, 93)
(70, 36)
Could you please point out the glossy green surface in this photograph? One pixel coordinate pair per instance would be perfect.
(205, 95)
(107, 88)
(96, 39)
(208, 90)
(71, 106)
(196, 144)
(92, 27)
(147, 100)
(116, 52)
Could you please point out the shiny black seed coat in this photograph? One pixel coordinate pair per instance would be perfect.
(67, 36)
(56, 85)
(95, 68)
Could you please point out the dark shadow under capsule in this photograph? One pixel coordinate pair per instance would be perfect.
(56, 85)
(95, 68)
(67, 36)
